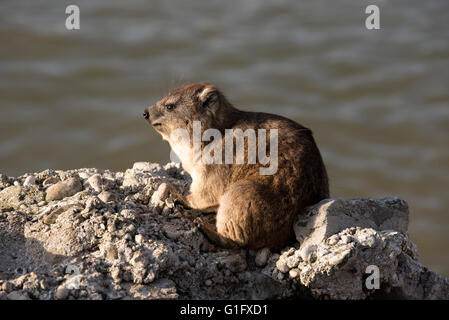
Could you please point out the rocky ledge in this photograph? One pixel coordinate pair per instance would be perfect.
(92, 234)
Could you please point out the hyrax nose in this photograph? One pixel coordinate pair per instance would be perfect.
(146, 115)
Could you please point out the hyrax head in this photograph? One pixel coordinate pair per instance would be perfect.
(182, 106)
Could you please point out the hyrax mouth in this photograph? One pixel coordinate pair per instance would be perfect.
(156, 124)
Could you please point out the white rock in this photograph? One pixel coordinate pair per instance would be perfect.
(29, 181)
(307, 252)
(96, 182)
(84, 175)
(281, 265)
(159, 196)
(138, 238)
(62, 292)
(331, 216)
(293, 273)
(141, 166)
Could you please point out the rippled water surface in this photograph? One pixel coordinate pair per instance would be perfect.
(377, 101)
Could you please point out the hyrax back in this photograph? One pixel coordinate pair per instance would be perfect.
(254, 210)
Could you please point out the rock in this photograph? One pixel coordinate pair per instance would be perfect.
(119, 247)
(4, 181)
(138, 238)
(67, 235)
(415, 281)
(49, 181)
(53, 215)
(306, 252)
(342, 273)
(145, 166)
(17, 295)
(29, 181)
(128, 213)
(142, 174)
(18, 197)
(96, 182)
(93, 203)
(265, 287)
(111, 252)
(281, 265)
(130, 181)
(115, 274)
(161, 289)
(172, 232)
(293, 273)
(262, 257)
(7, 286)
(63, 189)
(331, 216)
(234, 262)
(62, 292)
(159, 196)
(107, 196)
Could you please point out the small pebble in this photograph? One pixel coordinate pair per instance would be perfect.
(106, 196)
(63, 189)
(159, 196)
(96, 182)
(138, 238)
(262, 257)
(30, 181)
(17, 295)
(293, 273)
(346, 239)
(62, 292)
(281, 265)
(333, 239)
(49, 181)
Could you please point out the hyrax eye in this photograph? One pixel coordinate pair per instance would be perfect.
(170, 107)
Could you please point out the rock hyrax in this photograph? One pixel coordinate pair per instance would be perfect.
(254, 209)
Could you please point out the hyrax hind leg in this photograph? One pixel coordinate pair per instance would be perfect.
(251, 216)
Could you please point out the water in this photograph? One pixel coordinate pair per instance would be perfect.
(377, 101)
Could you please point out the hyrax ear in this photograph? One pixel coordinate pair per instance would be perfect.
(208, 96)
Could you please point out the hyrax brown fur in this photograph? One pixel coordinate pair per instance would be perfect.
(253, 210)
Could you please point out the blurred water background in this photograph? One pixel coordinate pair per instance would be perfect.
(377, 101)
